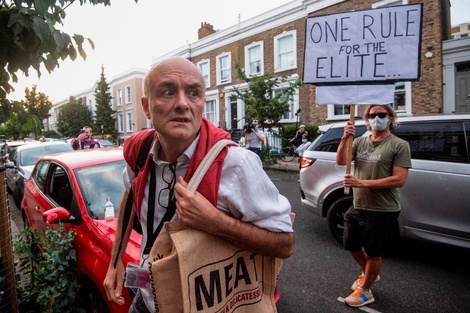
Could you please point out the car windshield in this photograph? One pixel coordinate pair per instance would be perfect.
(99, 182)
(105, 143)
(30, 156)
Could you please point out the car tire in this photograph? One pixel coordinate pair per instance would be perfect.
(91, 298)
(17, 197)
(335, 216)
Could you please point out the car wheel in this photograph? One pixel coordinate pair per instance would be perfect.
(92, 299)
(17, 197)
(335, 217)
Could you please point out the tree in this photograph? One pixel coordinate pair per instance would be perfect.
(261, 100)
(29, 38)
(21, 123)
(36, 103)
(72, 117)
(104, 115)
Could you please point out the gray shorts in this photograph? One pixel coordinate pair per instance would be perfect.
(370, 230)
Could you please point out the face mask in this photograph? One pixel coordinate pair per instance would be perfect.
(378, 123)
(304, 140)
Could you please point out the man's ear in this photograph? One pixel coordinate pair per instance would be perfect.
(145, 106)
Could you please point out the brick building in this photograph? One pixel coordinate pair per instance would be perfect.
(274, 42)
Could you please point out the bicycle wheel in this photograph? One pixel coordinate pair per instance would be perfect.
(287, 154)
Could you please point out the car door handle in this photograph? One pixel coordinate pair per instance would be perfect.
(38, 209)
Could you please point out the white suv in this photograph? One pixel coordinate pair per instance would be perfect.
(435, 200)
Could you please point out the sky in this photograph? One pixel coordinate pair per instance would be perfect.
(128, 35)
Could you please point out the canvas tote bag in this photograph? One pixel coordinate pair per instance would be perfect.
(193, 271)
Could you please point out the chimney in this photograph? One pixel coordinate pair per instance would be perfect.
(205, 30)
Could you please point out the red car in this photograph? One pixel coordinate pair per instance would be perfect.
(75, 185)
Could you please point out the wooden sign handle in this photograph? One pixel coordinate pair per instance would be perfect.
(352, 111)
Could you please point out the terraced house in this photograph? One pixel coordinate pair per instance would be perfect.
(275, 41)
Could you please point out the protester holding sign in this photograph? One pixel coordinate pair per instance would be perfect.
(258, 221)
(381, 163)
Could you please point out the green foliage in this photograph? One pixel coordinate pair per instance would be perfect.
(104, 114)
(261, 100)
(47, 276)
(20, 123)
(50, 134)
(290, 130)
(72, 117)
(29, 38)
(36, 103)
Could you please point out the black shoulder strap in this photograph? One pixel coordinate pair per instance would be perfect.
(143, 153)
(141, 159)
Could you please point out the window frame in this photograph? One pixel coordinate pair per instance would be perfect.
(248, 48)
(277, 61)
(128, 94)
(120, 121)
(129, 121)
(119, 97)
(207, 78)
(221, 56)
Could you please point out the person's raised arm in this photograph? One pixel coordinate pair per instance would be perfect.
(342, 152)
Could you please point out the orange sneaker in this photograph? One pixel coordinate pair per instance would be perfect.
(359, 298)
(360, 280)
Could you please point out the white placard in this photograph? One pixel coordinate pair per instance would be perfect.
(356, 94)
(364, 46)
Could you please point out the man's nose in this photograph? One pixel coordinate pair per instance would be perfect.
(182, 101)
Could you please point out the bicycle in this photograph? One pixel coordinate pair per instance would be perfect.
(287, 154)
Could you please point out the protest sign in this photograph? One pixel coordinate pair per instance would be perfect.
(379, 45)
(347, 52)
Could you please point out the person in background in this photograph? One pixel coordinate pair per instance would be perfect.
(381, 163)
(85, 141)
(254, 138)
(305, 144)
(297, 140)
(173, 99)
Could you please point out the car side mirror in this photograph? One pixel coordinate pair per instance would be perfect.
(57, 215)
(10, 164)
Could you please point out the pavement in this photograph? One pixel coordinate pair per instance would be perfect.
(292, 166)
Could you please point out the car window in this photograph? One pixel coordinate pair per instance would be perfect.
(437, 141)
(40, 174)
(329, 141)
(31, 156)
(99, 182)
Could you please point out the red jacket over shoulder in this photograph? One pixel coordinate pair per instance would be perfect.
(209, 186)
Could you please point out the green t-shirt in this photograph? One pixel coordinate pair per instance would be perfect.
(374, 160)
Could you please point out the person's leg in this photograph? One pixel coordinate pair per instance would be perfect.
(372, 271)
(361, 258)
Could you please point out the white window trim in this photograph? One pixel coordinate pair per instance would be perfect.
(214, 95)
(218, 69)
(276, 50)
(119, 97)
(247, 59)
(295, 99)
(387, 3)
(128, 125)
(128, 95)
(120, 121)
(206, 61)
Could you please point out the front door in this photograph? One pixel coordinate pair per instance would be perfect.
(462, 92)
(233, 113)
